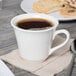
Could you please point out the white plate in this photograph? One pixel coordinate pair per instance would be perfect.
(26, 6)
(4, 70)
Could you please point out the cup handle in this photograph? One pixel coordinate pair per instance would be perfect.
(62, 44)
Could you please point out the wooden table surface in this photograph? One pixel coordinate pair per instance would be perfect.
(8, 41)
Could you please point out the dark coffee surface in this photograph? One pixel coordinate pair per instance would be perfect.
(34, 23)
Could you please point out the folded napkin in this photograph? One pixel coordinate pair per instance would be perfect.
(55, 63)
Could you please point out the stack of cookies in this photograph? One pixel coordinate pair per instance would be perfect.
(66, 8)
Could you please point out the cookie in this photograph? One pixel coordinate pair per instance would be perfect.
(68, 11)
(72, 3)
(47, 6)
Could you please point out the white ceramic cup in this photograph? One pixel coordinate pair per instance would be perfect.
(36, 44)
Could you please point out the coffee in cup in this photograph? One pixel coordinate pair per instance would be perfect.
(34, 24)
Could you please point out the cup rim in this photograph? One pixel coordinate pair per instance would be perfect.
(51, 18)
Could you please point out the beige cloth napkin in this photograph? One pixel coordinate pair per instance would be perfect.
(55, 63)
